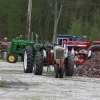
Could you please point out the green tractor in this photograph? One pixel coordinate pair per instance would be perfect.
(16, 48)
(39, 55)
(33, 56)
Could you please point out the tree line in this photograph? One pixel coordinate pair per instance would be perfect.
(50, 17)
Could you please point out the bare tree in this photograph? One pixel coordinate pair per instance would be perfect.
(57, 13)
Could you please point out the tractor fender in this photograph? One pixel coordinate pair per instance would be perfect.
(66, 53)
(89, 53)
(44, 54)
(72, 51)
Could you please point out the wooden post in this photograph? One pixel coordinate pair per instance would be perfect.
(28, 20)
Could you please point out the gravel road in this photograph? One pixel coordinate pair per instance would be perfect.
(17, 85)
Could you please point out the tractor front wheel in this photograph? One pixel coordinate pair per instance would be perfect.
(38, 64)
(62, 71)
(56, 70)
(12, 58)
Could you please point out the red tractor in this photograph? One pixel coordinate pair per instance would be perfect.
(3, 46)
(82, 51)
(79, 50)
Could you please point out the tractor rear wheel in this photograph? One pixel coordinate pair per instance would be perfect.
(29, 56)
(38, 64)
(95, 50)
(56, 70)
(69, 64)
(12, 58)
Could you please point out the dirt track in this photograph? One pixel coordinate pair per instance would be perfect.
(16, 85)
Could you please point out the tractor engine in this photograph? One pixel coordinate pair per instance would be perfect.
(81, 57)
(59, 53)
(56, 55)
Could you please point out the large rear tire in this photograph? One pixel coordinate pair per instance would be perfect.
(38, 65)
(69, 65)
(29, 56)
(95, 49)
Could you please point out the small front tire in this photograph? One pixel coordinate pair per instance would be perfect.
(56, 70)
(12, 58)
(62, 71)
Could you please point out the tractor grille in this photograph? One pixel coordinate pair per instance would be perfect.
(59, 53)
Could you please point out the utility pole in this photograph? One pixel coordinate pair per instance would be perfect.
(28, 20)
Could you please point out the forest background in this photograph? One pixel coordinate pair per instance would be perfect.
(75, 17)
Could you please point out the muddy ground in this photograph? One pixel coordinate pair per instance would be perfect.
(17, 85)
